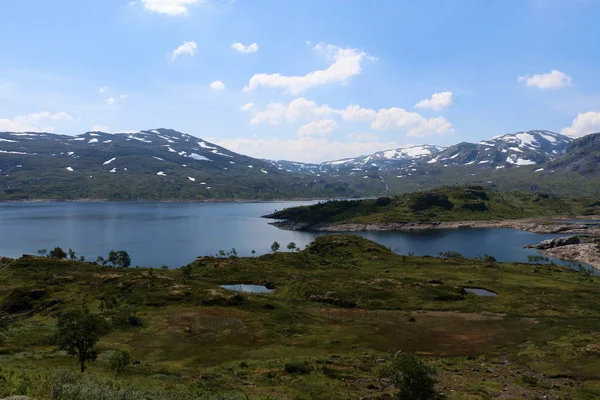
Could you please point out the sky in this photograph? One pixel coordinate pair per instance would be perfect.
(309, 80)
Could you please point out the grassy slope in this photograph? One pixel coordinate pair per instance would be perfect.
(544, 324)
(415, 207)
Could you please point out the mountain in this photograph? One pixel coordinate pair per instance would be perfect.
(517, 149)
(163, 164)
(155, 164)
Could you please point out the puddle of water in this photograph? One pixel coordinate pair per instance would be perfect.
(247, 288)
(481, 292)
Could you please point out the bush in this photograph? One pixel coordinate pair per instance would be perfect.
(412, 377)
(298, 367)
(58, 253)
(452, 255)
(488, 259)
(383, 201)
(424, 201)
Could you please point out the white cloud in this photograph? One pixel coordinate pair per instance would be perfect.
(240, 48)
(357, 113)
(111, 101)
(217, 85)
(299, 109)
(324, 127)
(413, 123)
(247, 107)
(131, 3)
(346, 63)
(305, 148)
(30, 122)
(123, 97)
(186, 49)
(100, 128)
(438, 101)
(583, 124)
(552, 80)
(103, 89)
(169, 7)
(387, 119)
(363, 137)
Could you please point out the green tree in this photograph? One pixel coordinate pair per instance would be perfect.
(186, 272)
(42, 252)
(412, 377)
(82, 258)
(291, 246)
(253, 252)
(58, 253)
(119, 258)
(72, 255)
(78, 333)
(100, 260)
(119, 361)
(275, 247)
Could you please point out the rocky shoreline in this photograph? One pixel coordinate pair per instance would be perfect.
(585, 250)
(529, 225)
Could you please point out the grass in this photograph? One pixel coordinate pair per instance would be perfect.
(197, 339)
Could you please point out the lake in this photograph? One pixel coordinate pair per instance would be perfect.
(174, 234)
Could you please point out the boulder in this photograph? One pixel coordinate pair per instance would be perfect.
(558, 242)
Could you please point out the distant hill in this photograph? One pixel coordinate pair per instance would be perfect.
(158, 164)
(163, 164)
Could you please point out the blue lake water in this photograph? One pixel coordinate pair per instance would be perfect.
(174, 234)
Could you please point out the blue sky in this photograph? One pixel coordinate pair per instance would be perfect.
(308, 80)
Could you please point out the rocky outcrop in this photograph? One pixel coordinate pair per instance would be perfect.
(552, 243)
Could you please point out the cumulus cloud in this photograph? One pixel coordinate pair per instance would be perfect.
(299, 109)
(111, 100)
(413, 123)
(324, 127)
(169, 7)
(186, 49)
(217, 85)
(552, 80)
(240, 48)
(438, 101)
(103, 89)
(304, 148)
(345, 63)
(387, 119)
(31, 122)
(583, 124)
(247, 107)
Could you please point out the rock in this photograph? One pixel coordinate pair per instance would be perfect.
(435, 282)
(558, 242)
(331, 300)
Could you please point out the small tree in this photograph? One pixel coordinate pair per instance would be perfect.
(82, 258)
(413, 377)
(78, 333)
(253, 252)
(119, 361)
(109, 303)
(291, 246)
(186, 272)
(119, 258)
(42, 252)
(100, 260)
(72, 255)
(233, 253)
(58, 253)
(275, 247)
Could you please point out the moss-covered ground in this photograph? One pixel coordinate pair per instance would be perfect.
(344, 305)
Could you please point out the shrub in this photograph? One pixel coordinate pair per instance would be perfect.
(383, 201)
(58, 253)
(424, 201)
(412, 377)
(275, 247)
(453, 255)
(298, 367)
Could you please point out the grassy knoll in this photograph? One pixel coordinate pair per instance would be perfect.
(464, 203)
(340, 310)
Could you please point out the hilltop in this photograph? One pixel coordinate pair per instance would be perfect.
(428, 208)
(339, 311)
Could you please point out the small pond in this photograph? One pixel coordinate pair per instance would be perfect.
(481, 292)
(247, 288)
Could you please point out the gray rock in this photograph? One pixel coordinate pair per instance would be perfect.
(558, 242)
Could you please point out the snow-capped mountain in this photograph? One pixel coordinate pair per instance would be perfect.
(509, 150)
(400, 154)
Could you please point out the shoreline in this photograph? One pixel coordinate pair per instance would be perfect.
(534, 225)
(157, 201)
(586, 252)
